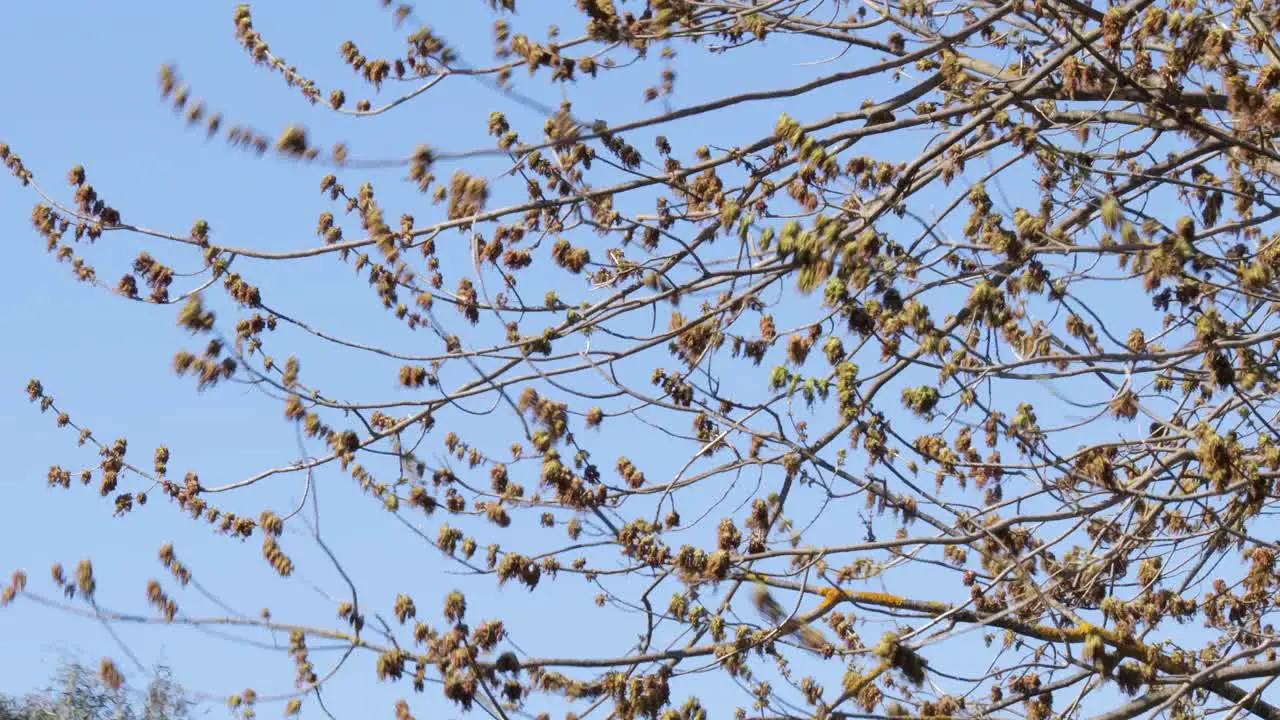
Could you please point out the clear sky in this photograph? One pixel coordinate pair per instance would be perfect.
(80, 87)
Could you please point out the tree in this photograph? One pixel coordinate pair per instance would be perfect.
(78, 693)
(956, 400)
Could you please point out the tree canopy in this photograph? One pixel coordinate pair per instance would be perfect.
(907, 361)
(79, 693)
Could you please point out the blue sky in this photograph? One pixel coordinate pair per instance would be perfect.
(83, 78)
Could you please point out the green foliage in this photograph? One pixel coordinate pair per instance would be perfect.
(78, 693)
